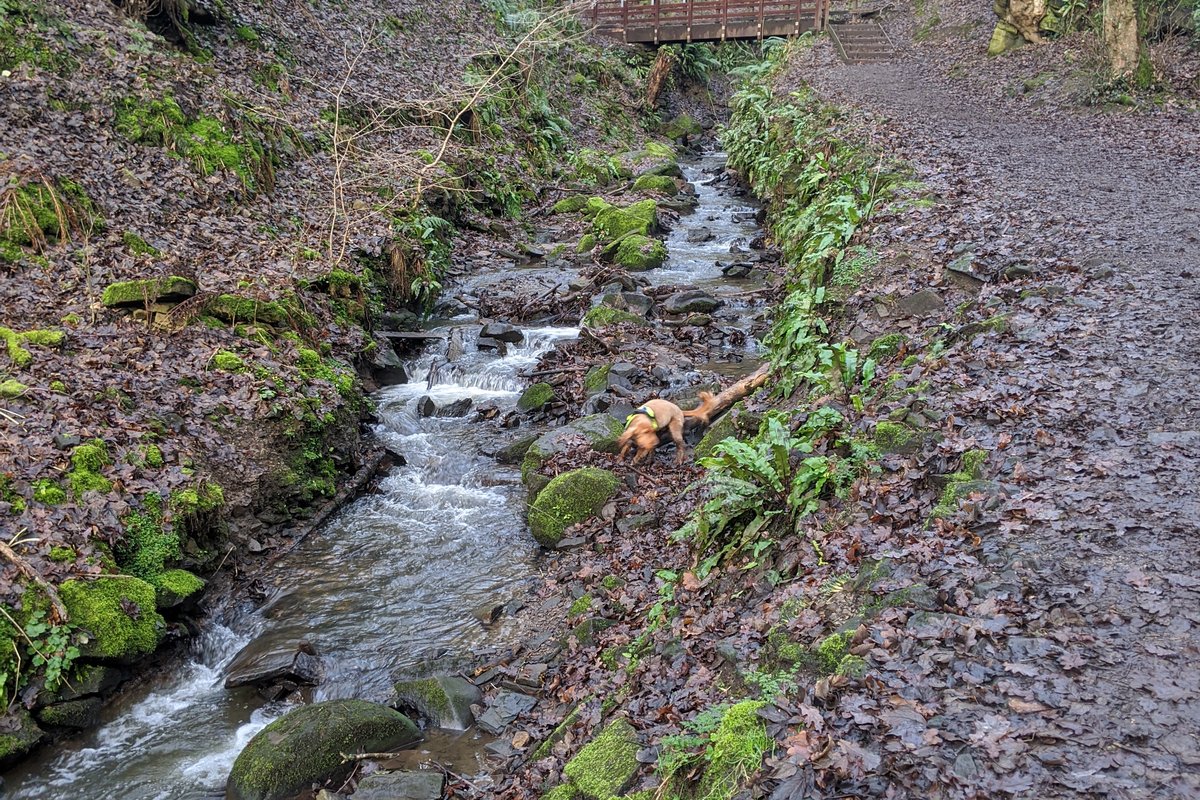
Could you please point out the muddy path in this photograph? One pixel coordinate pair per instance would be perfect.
(1085, 686)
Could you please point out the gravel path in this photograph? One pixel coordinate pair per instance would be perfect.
(1098, 694)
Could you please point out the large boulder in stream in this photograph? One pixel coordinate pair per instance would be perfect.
(567, 499)
(306, 746)
(267, 661)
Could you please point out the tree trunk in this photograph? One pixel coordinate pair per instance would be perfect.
(1120, 29)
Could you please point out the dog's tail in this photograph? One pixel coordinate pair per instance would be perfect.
(702, 412)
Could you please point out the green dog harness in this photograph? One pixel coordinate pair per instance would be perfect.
(649, 412)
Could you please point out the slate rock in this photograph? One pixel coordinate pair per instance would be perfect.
(692, 300)
(503, 332)
(417, 785)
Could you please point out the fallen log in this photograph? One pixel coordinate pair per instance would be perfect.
(743, 388)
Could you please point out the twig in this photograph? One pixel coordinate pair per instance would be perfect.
(542, 372)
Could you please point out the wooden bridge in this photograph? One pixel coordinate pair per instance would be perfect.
(659, 21)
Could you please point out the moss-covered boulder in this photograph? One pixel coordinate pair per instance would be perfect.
(569, 205)
(893, 437)
(596, 379)
(232, 308)
(638, 253)
(668, 170)
(131, 294)
(661, 184)
(445, 700)
(613, 222)
(75, 714)
(606, 765)
(682, 127)
(306, 746)
(176, 588)
(537, 396)
(599, 430)
(118, 612)
(602, 316)
(20, 735)
(569, 498)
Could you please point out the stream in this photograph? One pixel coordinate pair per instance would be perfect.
(389, 585)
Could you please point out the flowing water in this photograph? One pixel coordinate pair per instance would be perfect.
(390, 584)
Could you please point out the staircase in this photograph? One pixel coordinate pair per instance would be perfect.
(861, 42)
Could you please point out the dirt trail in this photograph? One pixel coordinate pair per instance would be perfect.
(1106, 428)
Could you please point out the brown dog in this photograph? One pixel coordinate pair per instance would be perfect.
(643, 426)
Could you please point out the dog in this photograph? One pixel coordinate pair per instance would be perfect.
(643, 426)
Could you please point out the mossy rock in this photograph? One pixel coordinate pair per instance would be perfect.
(536, 397)
(602, 316)
(656, 183)
(563, 791)
(514, 452)
(886, 346)
(599, 430)
(175, 588)
(1004, 38)
(638, 253)
(76, 714)
(231, 308)
(570, 205)
(569, 498)
(118, 612)
(596, 379)
(892, 437)
(306, 746)
(735, 750)
(11, 389)
(87, 679)
(668, 170)
(594, 206)
(682, 127)
(132, 294)
(445, 700)
(612, 223)
(587, 243)
(606, 765)
(20, 737)
(14, 343)
(586, 631)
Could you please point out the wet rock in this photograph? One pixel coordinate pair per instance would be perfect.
(87, 680)
(623, 369)
(264, 662)
(65, 441)
(920, 304)
(486, 343)
(536, 397)
(488, 613)
(502, 332)
(637, 302)
(504, 708)
(306, 746)
(737, 269)
(19, 734)
(691, 300)
(426, 407)
(399, 321)
(458, 408)
(423, 784)
(513, 452)
(700, 235)
(386, 367)
(456, 346)
(445, 700)
(75, 714)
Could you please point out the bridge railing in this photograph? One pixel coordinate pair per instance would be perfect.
(707, 20)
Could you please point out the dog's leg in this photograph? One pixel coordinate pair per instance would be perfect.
(676, 429)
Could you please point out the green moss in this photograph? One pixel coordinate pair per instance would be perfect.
(556, 735)
(86, 462)
(580, 606)
(569, 498)
(227, 361)
(659, 150)
(40, 212)
(852, 666)
(175, 586)
(62, 555)
(76, 714)
(612, 223)
(602, 316)
(246, 33)
(11, 389)
(886, 346)
(314, 367)
(537, 396)
(14, 343)
(149, 544)
(638, 253)
(58, 386)
(605, 766)
(207, 496)
(735, 751)
(48, 492)
(892, 437)
(831, 651)
(681, 127)
(596, 379)
(118, 612)
(562, 792)
(137, 245)
(569, 205)
(233, 309)
(656, 183)
(149, 290)
(21, 735)
(587, 243)
(8, 495)
(594, 206)
(152, 456)
(611, 582)
(972, 464)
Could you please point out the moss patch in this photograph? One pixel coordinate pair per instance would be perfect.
(735, 750)
(605, 766)
(175, 587)
(886, 346)
(661, 184)
(11, 389)
(228, 362)
(86, 462)
(569, 205)
(48, 492)
(535, 397)
(596, 379)
(587, 243)
(15, 343)
(118, 612)
(892, 437)
(22, 736)
(569, 498)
